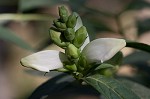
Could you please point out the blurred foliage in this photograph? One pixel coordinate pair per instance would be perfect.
(139, 60)
(53, 85)
(25, 17)
(8, 3)
(138, 4)
(8, 35)
(137, 88)
(25, 5)
(143, 26)
(65, 84)
(94, 26)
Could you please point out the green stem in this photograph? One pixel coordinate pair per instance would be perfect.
(140, 46)
(89, 70)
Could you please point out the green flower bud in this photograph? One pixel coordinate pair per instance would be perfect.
(62, 70)
(72, 51)
(82, 61)
(55, 37)
(72, 67)
(59, 25)
(79, 75)
(69, 34)
(63, 13)
(80, 69)
(80, 36)
(71, 21)
(106, 72)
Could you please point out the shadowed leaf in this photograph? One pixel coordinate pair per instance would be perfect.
(8, 35)
(142, 91)
(110, 88)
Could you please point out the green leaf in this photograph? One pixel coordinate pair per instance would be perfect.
(8, 35)
(139, 46)
(143, 92)
(110, 88)
(116, 60)
(104, 66)
(105, 69)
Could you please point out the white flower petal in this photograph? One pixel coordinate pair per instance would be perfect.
(86, 42)
(78, 25)
(103, 49)
(44, 60)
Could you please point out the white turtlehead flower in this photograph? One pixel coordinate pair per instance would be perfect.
(98, 50)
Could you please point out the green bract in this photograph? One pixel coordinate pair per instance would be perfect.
(59, 25)
(55, 37)
(63, 13)
(69, 34)
(72, 51)
(80, 36)
(72, 67)
(82, 61)
(71, 21)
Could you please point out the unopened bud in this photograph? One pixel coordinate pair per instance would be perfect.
(80, 36)
(106, 72)
(72, 51)
(59, 25)
(55, 37)
(72, 67)
(82, 61)
(69, 34)
(72, 21)
(63, 13)
(62, 70)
